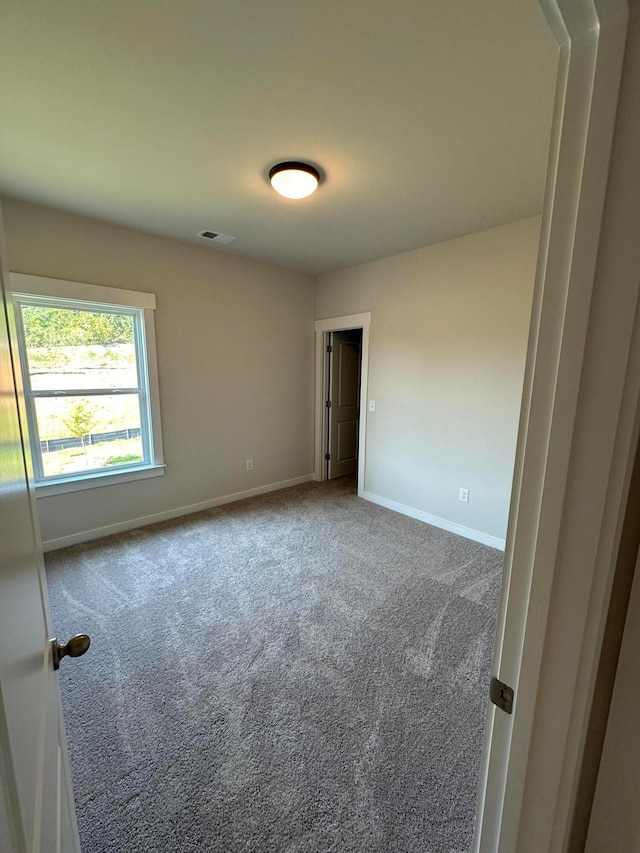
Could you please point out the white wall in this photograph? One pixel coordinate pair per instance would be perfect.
(235, 359)
(449, 332)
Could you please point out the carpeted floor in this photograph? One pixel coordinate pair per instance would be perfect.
(301, 672)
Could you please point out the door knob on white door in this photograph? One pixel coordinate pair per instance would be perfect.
(74, 648)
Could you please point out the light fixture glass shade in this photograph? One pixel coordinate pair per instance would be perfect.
(294, 180)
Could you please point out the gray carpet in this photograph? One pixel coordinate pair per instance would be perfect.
(301, 672)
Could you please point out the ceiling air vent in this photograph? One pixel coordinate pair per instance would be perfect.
(216, 236)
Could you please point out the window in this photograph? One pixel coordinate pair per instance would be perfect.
(88, 367)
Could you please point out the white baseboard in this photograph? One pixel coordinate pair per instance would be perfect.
(131, 524)
(451, 526)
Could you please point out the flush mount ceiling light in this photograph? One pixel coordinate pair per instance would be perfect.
(294, 180)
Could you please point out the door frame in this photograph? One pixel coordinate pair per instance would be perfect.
(576, 444)
(322, 327)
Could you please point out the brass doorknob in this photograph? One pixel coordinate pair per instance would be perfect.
(75, 647)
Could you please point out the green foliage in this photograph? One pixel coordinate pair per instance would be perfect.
(80, 420)
(59, 327)
(48, 359)
(98, 455)
(122, 460)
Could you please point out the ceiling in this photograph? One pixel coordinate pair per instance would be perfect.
(429, 119)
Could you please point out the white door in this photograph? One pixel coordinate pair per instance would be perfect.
(36, 804)
(344, 402)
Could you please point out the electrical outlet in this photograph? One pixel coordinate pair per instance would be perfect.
(372, 405)
(464, 496)
(249, 464)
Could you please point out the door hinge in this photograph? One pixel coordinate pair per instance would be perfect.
(328, 404)
(501, 695)
(327, 456)
(329, 348)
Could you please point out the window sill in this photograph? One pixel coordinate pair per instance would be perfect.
(100, 478)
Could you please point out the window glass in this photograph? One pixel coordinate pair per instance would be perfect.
(79, 349)
(82, 434)
(87, 385)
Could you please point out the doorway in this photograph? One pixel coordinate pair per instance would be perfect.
(540, 597)
(344, 357)
(355, 324)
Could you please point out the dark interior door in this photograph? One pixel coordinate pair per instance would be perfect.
(344, 402)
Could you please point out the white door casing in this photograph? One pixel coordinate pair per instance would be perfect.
(37, 811)
(577, 438)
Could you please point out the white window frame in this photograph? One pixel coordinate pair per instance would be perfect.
(58, 293)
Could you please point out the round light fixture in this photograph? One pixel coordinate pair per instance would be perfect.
(294, 180)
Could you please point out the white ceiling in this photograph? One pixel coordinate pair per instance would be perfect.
(428, 118)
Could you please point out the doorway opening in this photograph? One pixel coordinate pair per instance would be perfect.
(348, 450)
(342, 412)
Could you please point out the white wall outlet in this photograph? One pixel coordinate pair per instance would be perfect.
(372, 405)
(464, 496)
(249, 464)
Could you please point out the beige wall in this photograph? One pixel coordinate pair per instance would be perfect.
(235, 359)
(448, 342)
